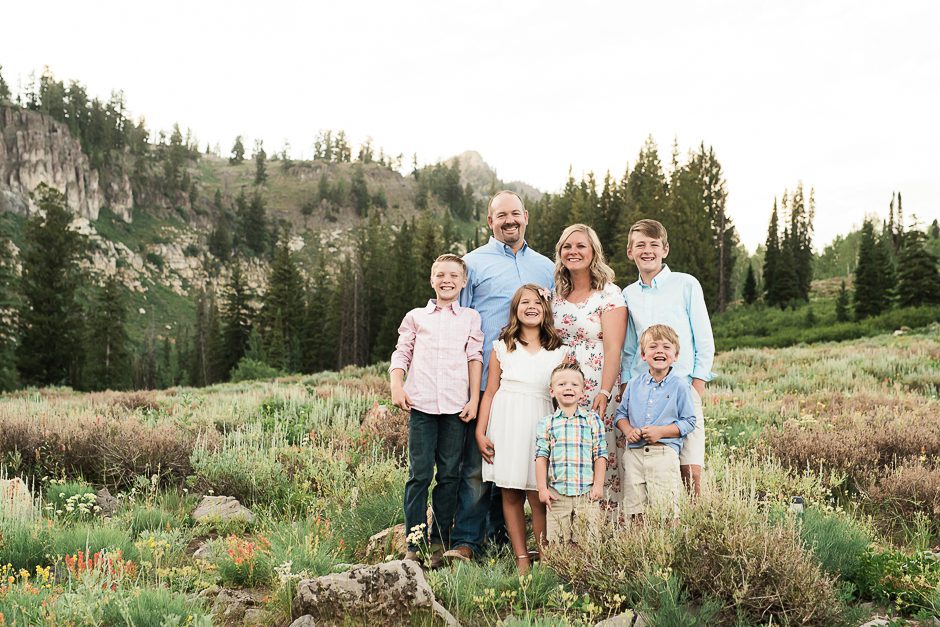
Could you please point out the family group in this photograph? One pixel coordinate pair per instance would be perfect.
(532, 380)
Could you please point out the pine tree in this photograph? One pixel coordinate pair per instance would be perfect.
(49, 352)
(360, 192)
(934, 229)
(236, 318)
(9, 303)
(282, 311)
(238, 151)
(261, 169)
(4, 88)
(401, 299)
(918, 278)
(253, 223)
(842, 304)
(107, 360)
(205, 359)
(772, 261)
(320, 327)
(869, 276)
(750, 286)
(887, 263)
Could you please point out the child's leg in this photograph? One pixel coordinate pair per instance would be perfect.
(538, 518)
(451, 432)
(422, 441)
(514, 514)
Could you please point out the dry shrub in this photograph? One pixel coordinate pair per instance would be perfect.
(109, 450)
(389, 424)
(723, 548)
(907, 490)
(858, 437)
(132, 401)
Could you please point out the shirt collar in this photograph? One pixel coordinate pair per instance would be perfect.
(505, 249)
(661, 277)
(580, 412)
(648, 378)
(431, 307)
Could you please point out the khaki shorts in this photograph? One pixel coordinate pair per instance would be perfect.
(693, 444)
(651, 479)
(564, 512)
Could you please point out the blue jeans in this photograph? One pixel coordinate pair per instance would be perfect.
(479, 503)
(433, 439)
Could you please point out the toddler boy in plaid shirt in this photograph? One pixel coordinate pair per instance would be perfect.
(570, 455)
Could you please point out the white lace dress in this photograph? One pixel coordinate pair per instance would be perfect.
(520, 402)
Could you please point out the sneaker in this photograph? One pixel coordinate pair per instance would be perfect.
(460, 554)
(437, 555)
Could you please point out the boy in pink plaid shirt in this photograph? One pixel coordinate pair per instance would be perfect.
(440, 348)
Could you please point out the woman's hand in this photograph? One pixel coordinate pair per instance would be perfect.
(600, 404)
(487, 450)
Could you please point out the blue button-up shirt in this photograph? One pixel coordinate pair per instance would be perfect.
(674, 299)
(494, 273)
(646, 402)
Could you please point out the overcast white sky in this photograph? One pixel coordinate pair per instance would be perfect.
(841, 95)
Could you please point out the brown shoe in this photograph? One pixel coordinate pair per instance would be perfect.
(460, 554)
(437, 556)
(412, 555)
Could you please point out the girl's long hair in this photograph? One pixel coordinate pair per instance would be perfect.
(601, 273)
(512, 332)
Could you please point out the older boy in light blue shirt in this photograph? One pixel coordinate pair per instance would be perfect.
(661, 296)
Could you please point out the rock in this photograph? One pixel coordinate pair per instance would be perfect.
(108, 504)
(256, 616)
(391, 541)
(304, 621)
(16, 501)
(876, 622)
(387, 592)
(205, 551)
(230, 606)
(222, 508)
(620, 620)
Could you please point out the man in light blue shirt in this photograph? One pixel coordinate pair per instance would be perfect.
(661, 296)
(494, 272)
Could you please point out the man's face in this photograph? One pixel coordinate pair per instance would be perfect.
(508, 219)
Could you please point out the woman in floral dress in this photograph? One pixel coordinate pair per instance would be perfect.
(591, 317)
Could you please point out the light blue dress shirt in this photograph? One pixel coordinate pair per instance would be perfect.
(674, 299)
(648, 403)
(494, 273)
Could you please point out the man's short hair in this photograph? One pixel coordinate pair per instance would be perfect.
(450, 257)
(489, 205)
(649, 228)
(569, 366)
(661, 332)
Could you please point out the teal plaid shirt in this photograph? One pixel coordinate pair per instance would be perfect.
(571, 444)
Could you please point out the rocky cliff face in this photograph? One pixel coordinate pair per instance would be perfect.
(36, 149)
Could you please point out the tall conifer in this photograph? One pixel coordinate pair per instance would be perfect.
(918, 278)
(869, 276)
(107, 360)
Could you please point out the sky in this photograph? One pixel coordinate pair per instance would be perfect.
(841, 95)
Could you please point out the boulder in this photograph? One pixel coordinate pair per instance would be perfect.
(304, 621)
(387, 593)
(16, 501)
(391, 541)
(230, 606)
(222, 508)
(108, 504)
(622, 620)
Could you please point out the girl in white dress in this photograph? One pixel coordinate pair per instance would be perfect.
(515, 399)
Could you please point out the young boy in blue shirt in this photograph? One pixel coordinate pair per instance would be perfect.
(661, 296)
(655, 414)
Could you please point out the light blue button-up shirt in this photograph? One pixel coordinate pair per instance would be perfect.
(674, 299)
(494, 273)
(648, 403)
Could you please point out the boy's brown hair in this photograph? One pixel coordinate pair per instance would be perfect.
(659, 332)
(567, 366)
(649, 228)
(449, 257)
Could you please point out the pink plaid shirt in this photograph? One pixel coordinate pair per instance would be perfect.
(434, 347)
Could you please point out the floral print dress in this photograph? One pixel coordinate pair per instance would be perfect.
(579, 325)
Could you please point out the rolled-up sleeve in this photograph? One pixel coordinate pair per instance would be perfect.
(685, 409)
(404, 349)
(541, 438)
(475, 339)
(599, 448)
(630, 345)
(703, 342)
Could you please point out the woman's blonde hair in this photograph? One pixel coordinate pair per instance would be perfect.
(601, 273)
(548, 334)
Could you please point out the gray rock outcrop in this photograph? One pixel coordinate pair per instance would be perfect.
(34, 149)
(387, 592)
(222, 508)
